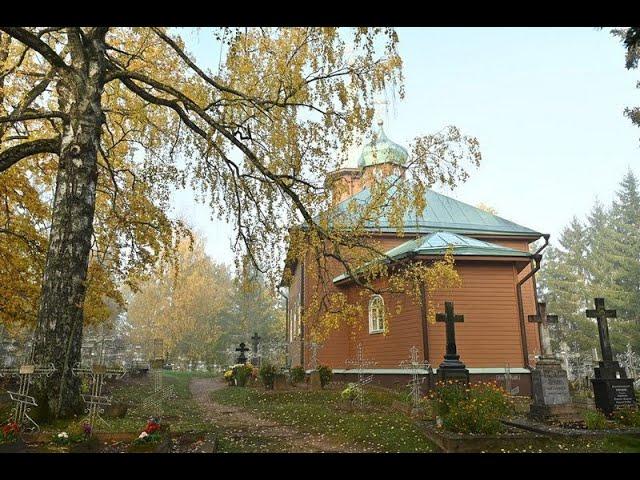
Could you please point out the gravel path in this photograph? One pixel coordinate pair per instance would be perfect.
(244, 427)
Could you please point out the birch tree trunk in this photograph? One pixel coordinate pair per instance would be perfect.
(60, 317)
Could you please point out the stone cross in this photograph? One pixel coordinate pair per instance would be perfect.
(23, 400)
(255, 341)
(361, 364)
(543, 320)
(601, 314)
(417, 368)
(242, 358)
(450, 319)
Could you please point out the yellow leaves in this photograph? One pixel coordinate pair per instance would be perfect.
(183, 308)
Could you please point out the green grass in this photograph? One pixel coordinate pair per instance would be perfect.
(182, 413)
(377, 428)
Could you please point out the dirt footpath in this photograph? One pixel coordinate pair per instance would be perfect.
(244, 427)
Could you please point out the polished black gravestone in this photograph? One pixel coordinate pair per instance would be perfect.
(611, 387)
(451, 368)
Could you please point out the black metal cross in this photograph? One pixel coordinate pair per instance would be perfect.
(450, 319)
(543, 319)
(601, 314)
(242, 357)
(255, 341)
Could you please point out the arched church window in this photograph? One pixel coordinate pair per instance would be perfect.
(376, 314)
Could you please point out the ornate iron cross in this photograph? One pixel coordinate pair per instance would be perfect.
(601, 314)
(155, 401)
(543, 320)
(361, 364)
(23, 400)
(98, 372)
(417, 369)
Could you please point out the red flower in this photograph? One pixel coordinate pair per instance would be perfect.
(152, 427)
(10, 428)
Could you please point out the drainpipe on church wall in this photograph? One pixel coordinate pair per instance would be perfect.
(425, 334)
(286, 321)
(537, 258)
(302, 309)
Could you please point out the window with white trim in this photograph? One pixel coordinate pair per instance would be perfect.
(376, 314)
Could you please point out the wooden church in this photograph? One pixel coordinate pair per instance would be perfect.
(492, 256)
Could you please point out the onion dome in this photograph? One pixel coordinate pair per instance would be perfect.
(382, 150)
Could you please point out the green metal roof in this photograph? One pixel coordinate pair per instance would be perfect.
(438, 243)
(444, 213)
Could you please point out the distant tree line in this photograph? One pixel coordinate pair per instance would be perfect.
(598, 257)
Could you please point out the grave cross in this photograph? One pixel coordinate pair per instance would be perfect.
(361, 364)
(629, 361)
(23, 400)
(98, 372)
(601, 314)
(417, 368)
(543, 320)
(255, 341)
(242, 357)
(450, 319)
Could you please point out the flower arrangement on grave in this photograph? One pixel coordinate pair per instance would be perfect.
(242, 372)
(151, 433)
(268, 374)
(297, 374)
(61, 438)
(229, 377)
(10, 432)
(326, 374)
(86, 430)
(472, 409)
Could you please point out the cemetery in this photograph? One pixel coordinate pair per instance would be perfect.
(210, 242)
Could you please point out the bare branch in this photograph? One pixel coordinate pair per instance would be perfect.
(14, 154)
(29, 39)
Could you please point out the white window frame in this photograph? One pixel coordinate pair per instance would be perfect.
(379, 328)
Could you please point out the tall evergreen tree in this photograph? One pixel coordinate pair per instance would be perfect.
(563, 282)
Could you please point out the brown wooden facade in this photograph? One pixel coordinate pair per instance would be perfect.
(489, 339)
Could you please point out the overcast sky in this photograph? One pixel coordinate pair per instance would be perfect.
(546, 105)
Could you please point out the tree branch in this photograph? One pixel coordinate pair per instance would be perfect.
(14, 154)
(29, 39)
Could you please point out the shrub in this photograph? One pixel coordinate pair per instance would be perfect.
(627, 416)
(476, 408)
(242, 373)
(297, 374)
(268, 374)
(352, 392)
(595, 420)
(326, 374)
